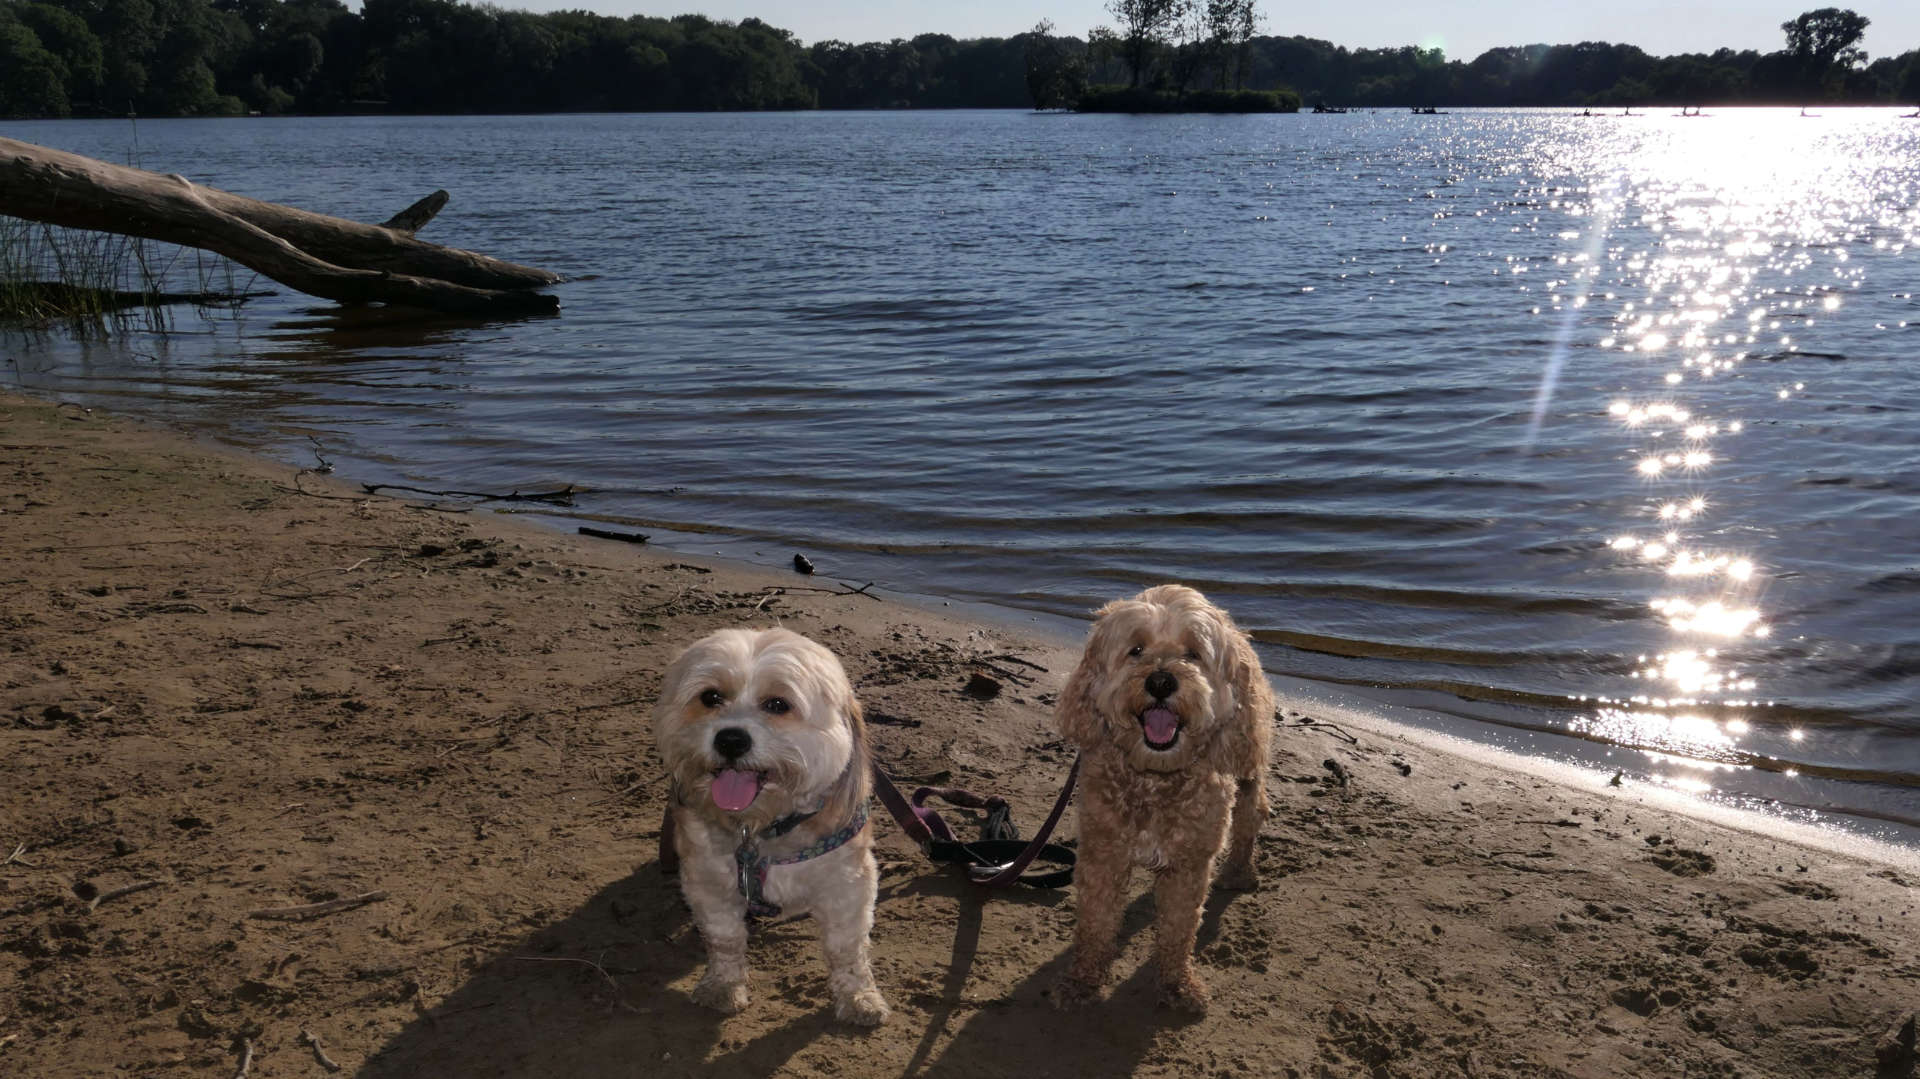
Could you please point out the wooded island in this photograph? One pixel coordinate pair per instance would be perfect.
(232, 57)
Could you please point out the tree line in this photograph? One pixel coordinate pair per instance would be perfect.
(229, 57)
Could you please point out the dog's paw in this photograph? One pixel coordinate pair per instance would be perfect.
(867, 1008)
(727, 998)
(1187, 995)
(1070, 993)
(1237, 878)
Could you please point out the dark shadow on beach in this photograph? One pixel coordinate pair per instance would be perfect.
(1022, 1034)
(589, 996)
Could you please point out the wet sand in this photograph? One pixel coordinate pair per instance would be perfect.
(250, 690)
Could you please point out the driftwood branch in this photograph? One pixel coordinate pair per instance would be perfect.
(328, 257)
(561, 497)
(607, 533)
(415, 217)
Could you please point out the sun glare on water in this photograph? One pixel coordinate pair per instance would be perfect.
(1728, 239)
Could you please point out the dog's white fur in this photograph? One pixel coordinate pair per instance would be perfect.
(813, 754)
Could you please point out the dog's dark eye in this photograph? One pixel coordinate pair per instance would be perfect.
(776, 706)
(1193, 654)
(712, 698)
(1134, 651)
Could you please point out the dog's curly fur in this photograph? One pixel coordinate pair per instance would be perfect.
(776, 705)
(1165, 806)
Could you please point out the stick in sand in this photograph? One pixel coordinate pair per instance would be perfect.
(319, 1053)
(125, 889)
(316, 910)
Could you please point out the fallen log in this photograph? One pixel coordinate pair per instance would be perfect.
(329, 257)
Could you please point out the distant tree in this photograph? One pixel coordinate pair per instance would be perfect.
(1242, 23)
(32, 80)
(66, 36)
(1221, 39)
(1194, 49)
(1144, 27)
(1909, 88)
(1822, 46)
(1056, 68)
(1103, 50)
(1827, 37)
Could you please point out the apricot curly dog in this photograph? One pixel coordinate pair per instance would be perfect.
(1172, 715)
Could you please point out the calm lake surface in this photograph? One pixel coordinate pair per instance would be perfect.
(1598, 435)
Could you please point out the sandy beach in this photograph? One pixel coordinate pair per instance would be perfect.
(414, 736)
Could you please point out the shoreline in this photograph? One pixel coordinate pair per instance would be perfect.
(263, 691)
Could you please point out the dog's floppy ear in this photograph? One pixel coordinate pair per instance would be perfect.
(1074, 715)
(1077, 716)
(855, 785)
(860, 764)
(1242, 747)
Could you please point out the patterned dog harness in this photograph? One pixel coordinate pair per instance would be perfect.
(751, 868)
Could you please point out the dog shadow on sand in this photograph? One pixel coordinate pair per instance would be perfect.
(603, 992)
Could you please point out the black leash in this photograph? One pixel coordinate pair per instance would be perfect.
(998, 859)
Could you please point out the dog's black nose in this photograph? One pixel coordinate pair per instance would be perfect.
(1161, 685)
(732, 742)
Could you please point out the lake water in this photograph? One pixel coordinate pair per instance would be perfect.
(1594, 433)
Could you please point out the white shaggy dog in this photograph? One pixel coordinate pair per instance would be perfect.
(764, 741)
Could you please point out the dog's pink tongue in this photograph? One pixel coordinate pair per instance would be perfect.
(1160, 724)
(735, 789)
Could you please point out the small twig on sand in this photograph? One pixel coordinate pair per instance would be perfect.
(125, 889)
(1008, 657)
(668, 602)
(990, 663)
(611, 984)
(246, 1058)
(845, 589)
(15, 859)
(316, 910)
(319, 1053)
(769, 598)
(1322, 725)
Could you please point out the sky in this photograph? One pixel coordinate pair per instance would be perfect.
(1464, 28)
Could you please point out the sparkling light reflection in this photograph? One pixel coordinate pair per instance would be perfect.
(1722, 250)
